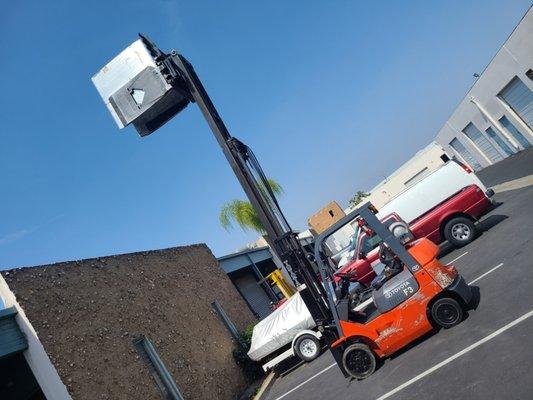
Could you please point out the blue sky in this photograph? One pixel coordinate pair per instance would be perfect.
(331, 96)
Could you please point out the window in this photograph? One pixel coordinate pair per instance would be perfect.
(482, 143)
(465, 154)
(370, 243)
(520, 99)
(417, 177)
(514, 132)
(499, 141)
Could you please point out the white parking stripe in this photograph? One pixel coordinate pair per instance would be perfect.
(458, 257)
(457, 355)
(486, 273)
(307, 380)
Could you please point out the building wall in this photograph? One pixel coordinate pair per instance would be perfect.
(36, 357)
(515, 58)
(86, 313)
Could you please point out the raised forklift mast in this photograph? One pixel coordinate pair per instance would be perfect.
(146, 87)
(180, 74)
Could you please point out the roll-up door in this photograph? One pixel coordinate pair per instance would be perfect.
(467, 156)
(514, 132)
(254, 294)
(520, 98)
(482, 143)
(499, 141)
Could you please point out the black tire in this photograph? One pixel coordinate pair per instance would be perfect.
(460, 231)
(307, 347)
(447, 312)
(359, 361)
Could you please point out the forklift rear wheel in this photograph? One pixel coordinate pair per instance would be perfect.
(460, 231)
(359, 361)
(446, 312)
(307, 347)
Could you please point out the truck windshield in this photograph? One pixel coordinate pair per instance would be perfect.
(369, 243)
(354, 239)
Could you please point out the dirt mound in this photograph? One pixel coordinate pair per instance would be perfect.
(87, 312)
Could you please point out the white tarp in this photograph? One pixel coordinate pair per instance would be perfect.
(280, 327)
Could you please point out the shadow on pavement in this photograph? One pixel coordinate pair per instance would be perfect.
(476, 299)
(513, 167)
(414, 344)
(483, 226)
(445, 249)
(491, 222)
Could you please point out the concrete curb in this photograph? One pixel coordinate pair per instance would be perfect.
(519, 183)
(267, 383)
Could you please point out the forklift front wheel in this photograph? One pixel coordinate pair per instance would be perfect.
(359, 361)
(447, 312)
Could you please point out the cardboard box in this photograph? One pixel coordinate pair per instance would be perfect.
(326, 217)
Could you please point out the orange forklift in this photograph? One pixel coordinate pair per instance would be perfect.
(412, 294)
(413, 291)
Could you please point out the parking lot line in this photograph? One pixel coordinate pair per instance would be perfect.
(307, 380)
(457, 355)
(458, 257)
(486, 273)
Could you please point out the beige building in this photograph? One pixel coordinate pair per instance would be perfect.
(418, 167)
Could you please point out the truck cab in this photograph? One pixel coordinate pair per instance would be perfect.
(453, 220)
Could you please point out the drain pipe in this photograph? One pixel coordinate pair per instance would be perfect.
(495, 123)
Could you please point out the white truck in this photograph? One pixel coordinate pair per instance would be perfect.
(417, 205)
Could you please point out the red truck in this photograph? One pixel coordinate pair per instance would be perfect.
(452, 219)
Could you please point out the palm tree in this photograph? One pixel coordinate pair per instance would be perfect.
(357, 198)
(242, 212)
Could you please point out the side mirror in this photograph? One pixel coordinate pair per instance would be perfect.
(362, 255)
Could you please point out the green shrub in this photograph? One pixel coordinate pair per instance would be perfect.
(252, 370)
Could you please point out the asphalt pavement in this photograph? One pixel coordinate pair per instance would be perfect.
(514, 167)
(490, 354)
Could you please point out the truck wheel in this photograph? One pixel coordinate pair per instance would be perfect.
(447, 312)
(460, 231)
(359, 361)
(307, 347)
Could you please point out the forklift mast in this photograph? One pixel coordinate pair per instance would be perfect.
(181, 75)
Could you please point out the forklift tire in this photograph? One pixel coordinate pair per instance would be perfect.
(359, 361)
(307, 347)
(447, 312)
(460, 231)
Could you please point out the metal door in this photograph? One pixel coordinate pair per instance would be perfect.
(467, 156)
(254, 294)
(482, 143)
(520, 98)
(499, 141)
(514, 132)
